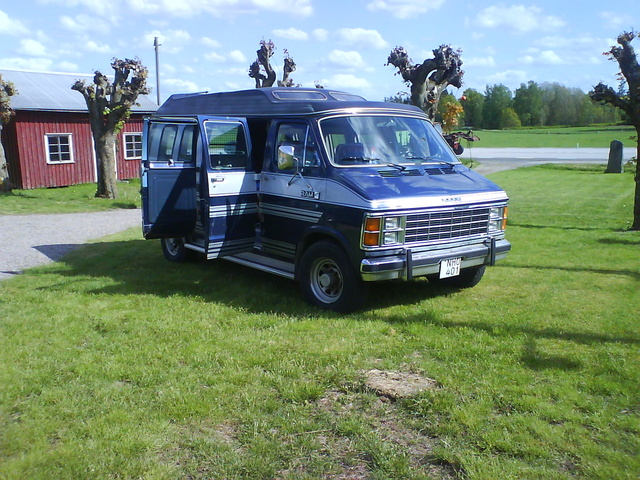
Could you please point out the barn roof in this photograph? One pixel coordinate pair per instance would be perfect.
(46, 91)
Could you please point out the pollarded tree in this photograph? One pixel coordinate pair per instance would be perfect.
(262, 71)
(429, 79)
(7, 90)
(109, 103)
(628, 101)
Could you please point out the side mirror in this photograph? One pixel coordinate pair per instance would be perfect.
(286, 159)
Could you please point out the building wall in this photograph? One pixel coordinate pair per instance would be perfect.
(26, 139)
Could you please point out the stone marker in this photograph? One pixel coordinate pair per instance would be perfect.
(615, 158)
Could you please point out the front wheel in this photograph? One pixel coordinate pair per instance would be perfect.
(328, 280)
(175, 251)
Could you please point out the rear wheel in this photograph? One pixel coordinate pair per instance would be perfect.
(175, 251)
(328, 280)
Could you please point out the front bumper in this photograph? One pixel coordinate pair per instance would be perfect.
(412, 264)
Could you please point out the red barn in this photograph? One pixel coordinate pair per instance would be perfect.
(48, 142)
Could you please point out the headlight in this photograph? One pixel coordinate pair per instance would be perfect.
(392, 223)
(498, 218)
(383, 231)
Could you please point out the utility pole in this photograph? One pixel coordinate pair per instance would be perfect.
(155, 46)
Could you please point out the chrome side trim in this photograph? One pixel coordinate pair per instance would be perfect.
(263, 263)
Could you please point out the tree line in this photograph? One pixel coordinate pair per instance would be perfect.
(531, 105)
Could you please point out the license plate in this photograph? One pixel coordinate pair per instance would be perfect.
(450, 267)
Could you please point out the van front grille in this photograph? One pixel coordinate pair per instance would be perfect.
(432, 226)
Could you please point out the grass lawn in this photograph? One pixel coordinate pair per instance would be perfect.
(75, 198)
(118, 364)
(558, 137)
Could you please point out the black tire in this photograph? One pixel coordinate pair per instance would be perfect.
(175, 251)
(469, 277)
(328, 280)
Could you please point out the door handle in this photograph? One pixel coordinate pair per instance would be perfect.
(217, 179)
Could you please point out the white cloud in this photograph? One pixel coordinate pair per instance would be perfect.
(172, 41)
(346, 82)
(480, 62)
(362, 38)
(298, 8)
(37, 64)
(518, 18)
(617, 20)
(210, 42)
(405, 8)
(291, 34)
(10, 26)
(549, 57)
(214, 57)
(320, 34)
(95, 47)
(65, 66)
(85, 23)
(511, 77)
(219, 8)
(351, 60)
(179, 85)
(100, 7)
(237, 56)
(32, 48)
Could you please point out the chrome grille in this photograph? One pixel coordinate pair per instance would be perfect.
(432, 226)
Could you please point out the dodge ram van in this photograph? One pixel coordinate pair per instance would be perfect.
(319, 186)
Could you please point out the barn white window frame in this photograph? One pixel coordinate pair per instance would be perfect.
(55, 152)
(134, 146)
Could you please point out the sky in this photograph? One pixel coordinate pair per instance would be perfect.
(208, 45)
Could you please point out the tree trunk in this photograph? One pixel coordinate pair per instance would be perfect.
(106, 166)
(5, 182)
(636, 202)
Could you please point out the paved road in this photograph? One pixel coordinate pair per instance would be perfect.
(497, 159)
(31, 240)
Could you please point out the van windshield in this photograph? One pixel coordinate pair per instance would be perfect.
(383, 140)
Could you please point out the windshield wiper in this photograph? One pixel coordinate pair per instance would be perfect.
(402, 168)
(432, 160)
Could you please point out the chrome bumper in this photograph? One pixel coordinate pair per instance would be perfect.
(412, 264)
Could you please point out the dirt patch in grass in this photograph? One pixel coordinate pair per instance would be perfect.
(394, 385)
(390, 433)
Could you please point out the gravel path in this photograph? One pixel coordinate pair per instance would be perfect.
(30, 240)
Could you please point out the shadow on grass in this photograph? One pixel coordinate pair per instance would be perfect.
(56, 252)
(535, 360)
(619, 241)
(138, 267)
(561, 227)
(601, 271)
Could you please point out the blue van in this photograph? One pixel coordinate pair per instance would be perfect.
(319, 186)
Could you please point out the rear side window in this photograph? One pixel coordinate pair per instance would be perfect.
(172, 143)
(227, 144)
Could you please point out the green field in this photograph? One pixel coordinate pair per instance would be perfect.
(72, 199)
(118, 364)
(559, 137)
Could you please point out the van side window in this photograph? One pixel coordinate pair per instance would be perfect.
(227, 144)
(187, 145)
(167, 140)
(295, 144)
